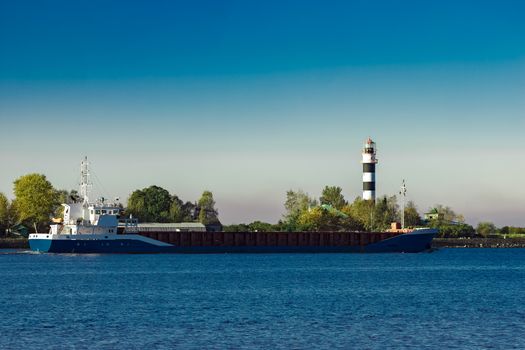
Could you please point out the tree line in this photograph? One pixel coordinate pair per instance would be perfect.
(155, 204)
(37, 201)
(332, 212)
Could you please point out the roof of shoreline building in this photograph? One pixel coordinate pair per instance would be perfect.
(171, 224)
(171, 227)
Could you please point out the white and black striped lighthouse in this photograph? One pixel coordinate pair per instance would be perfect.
(369, 170)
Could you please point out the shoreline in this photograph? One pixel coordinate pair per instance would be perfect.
(14, 243)
(478, 242)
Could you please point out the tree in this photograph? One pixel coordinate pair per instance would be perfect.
(65, 196)
(176, 212)
(486, 228)
(332, 195)
(321, 219)
(36, 199)
(296, 203)
(385, 212)
(4, 214)
(12, 214)
(350, 223)
(362, 211)
(189, 212)
(412, 217)
(69, 196)
(313, 219)
(236, 228)
(150, 204)
(452, 230)
(207, 212)
(259, 226)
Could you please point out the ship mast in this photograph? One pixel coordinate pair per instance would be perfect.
(85, 184)
(403, 194)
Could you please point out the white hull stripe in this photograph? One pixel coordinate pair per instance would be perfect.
(108, 237)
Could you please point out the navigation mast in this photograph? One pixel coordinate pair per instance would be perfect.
(403, 194)
(85, 184)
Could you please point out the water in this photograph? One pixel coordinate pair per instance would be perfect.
(462, 298)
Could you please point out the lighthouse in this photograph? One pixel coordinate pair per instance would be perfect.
(369, 170)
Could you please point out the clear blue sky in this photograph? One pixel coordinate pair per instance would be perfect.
(251, 98)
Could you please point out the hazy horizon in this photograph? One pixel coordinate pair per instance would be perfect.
(249, 100)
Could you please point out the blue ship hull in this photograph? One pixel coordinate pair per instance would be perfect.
(413, 242)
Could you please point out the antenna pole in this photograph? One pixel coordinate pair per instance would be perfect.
(403, 194)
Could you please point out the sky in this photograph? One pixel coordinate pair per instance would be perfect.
(249, 99)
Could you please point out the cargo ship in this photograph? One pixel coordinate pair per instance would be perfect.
(97, 228)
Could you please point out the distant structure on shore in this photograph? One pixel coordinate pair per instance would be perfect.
(369, 170)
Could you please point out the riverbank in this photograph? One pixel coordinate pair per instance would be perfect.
(478, 242)
(14, 243)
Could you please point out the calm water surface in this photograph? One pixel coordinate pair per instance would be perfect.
(451, 298)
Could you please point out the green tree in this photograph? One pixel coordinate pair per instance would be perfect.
(350, 223)
(486, 228)
(208, 214)
(412, 217)
(36, 200)
(65, 196)
(12, 214)
(151, 204)
(314, 219)
(4, 214)
(259, 226)
(176, 210)
(385, 212)
(296, 203)
(189, 212)
(454, 230)
(362, 211)
(236, 228)
(332, 195)
(517, 230)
